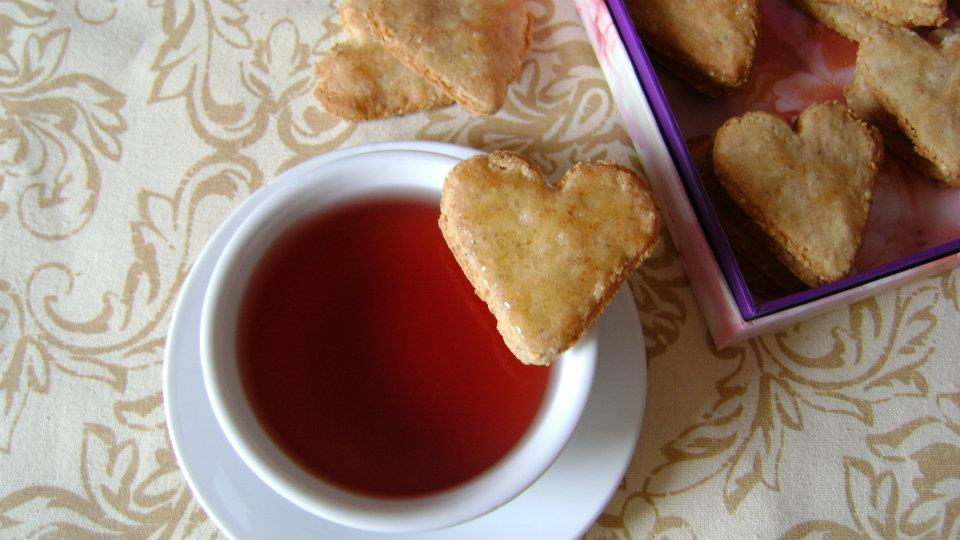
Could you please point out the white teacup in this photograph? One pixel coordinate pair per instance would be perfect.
(352, 179)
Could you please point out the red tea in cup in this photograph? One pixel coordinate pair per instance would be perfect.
(369, 360)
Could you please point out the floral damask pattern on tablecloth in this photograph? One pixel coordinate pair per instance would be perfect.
(129, 130)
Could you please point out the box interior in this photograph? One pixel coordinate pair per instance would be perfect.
(752, 306)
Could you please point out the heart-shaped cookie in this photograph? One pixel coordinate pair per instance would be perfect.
(713, 41)
(765, 274)
(470, 50)
(360, 80)
(863, 102)
(808, 190)
(848, 21)
(857, 19)
(902, 12)
(545, 259)
(918, 84)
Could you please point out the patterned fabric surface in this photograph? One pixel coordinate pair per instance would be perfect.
(129, 130)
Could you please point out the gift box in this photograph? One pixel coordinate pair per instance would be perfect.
(914, 224)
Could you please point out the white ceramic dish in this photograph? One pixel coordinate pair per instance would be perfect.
(560, 504)
(293, 197)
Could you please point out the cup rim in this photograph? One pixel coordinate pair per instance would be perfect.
(387, 172)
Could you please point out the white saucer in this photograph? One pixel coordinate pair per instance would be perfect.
(563, 503)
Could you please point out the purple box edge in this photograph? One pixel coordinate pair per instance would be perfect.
(749, 309)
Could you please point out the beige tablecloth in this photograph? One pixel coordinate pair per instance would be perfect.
(128, 130)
